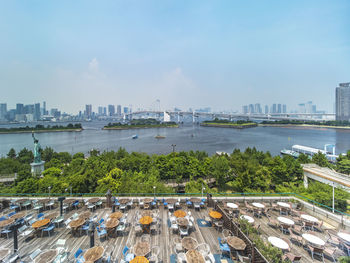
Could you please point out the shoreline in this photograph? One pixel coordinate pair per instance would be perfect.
(134, 128)
(305, 126)
(42, 131)
(228, 125)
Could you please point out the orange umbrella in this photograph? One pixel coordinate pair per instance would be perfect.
(180, 213)
(215, 214)
(146, 220)
(139, 260)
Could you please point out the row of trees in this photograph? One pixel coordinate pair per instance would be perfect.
(123, 172)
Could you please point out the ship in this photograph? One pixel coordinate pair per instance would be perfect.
(135, 136)
(159, 137)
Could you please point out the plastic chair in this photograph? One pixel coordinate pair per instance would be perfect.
(40, 215)
(48, 229)
(101, 232)
(35, 254)
(78, 253)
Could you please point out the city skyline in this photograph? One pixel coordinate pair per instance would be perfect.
(221, 54)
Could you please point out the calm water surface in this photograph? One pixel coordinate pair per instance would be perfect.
(186, 137)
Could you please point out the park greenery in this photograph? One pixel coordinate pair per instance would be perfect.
(249, 171)
(41, 128)
(336, 123)
(140, 123)
(227, 123)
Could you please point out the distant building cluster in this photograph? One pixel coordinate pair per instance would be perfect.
(307, 107)
(111, 111)
(257, 109)
(342, 102)
(28, 113)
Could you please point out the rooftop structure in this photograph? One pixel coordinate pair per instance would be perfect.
(166, 230)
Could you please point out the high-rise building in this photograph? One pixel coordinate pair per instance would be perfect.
(251, 108)
(245, 109)
(100, 110)
(119, 110)
(88, 110)
(342, 102)
(37, 114)
(3, 111)
(111, 110)
(29, 109)
(19, 108)
(274, 108)
(266, 109)
(104, 111)
(126, 110)
(301, 108)
(284, 108)
(44, 108)
(279, 108)
(257, 108)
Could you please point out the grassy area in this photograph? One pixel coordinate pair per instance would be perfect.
(42, 128)
(145, 126)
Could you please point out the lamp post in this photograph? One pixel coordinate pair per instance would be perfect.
(154, 192)
(49, 191)
(333, 199)
(92, 234)
(203, 188)
(173, 145)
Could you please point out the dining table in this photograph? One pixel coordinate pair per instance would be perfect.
(124, 201)
(285, 220)
(278, 242)
(18, 215)
(94, 200)
(314, 240)
(116, 215)
(194, 256)
(215, 214)
(7, 222)
(147, 200)
(258, 205)
(139, 259)
(93, 254)
(41, 223)
(283, 204)
(146, 221)
(180, 213)
(171, 200)
(309, 218)
(4, 252)
(85, 215)
(189, 243)
(182, 221)
(236, 243)
(232, 205)
(142, 248)
(46, 256)
(344, 236)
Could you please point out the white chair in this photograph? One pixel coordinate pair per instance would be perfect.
(204, 249)
(174, 227)
(183, 231)
(35, 254)
(181, 257)
(210, 258)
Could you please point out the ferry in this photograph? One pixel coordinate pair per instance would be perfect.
(135, 136)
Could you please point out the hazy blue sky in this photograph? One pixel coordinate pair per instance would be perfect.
(186, 53)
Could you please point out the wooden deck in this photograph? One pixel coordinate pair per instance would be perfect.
(114, 245)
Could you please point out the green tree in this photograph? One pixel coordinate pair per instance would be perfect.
(11, 154)
(303, 158)
(111, 181)
(320, 159)
(343, 166)
(25, 156)
(47, 154)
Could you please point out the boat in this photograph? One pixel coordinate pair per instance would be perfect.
(159, 137)
(135, 136)
(290, 152)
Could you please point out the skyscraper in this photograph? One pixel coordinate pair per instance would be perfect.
(245, 109)
(119, 110)
(111, 110)
(19, 108)
(37, 114)
(3, 111)
(44, 108)
(342, 102)
(251, 108)
(88, 110)
(100, 110)
(126, 110)
(266, 109)
(279, 108)
(257, 108)
(284, 108)
(274, 108)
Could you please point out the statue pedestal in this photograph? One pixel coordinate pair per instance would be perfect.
(37, 168)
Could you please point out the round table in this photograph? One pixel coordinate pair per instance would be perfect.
(283, 204)
(285, 220)
(146, 221)
(344, 236)
(41, 223)
(18, 215)
(248, 218)
(116, 215)
(147, 213)
(46, 256)
(147, 200)
(182, 221)
(179, 213)
(258, 205)
(236, 243)
(313, 239)
(77, 223)
(93, 200)
(194, 256)
(52, 215)
(232, 205)
(4, 252)
(69, 201)
(93, 254)
(171, 201)
(215, 214)
(309, 218)
(6, 222)
(85, 215)
(195, 200)
(277, 242)
(142, 249)
(124, 201)
(189, 243)
(139, 260)
(112, 223)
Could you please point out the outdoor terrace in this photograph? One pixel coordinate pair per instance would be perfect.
(166, 242)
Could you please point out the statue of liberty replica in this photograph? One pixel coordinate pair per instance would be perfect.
(38, 164)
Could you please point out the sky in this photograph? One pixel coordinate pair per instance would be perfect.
(218, 54)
